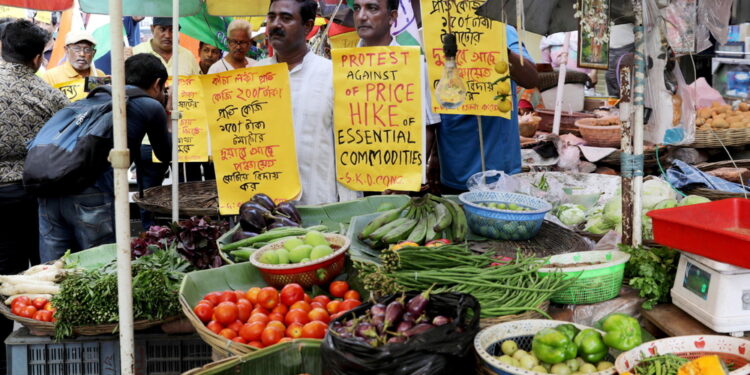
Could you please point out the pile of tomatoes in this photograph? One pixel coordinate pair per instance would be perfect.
(39, 308)
(261, 317)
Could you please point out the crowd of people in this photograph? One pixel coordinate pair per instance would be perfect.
(50, 225)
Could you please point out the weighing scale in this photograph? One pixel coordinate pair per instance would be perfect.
(716, 294)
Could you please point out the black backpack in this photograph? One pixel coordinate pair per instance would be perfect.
(70, 152)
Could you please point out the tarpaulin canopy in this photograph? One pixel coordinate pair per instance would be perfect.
(153, 8)
(238, 8)
(51, 5)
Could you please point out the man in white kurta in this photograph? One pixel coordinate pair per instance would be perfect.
(311, 81)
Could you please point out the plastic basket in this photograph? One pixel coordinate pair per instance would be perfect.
(595, 283)
(504, 224)
(291, 358)
(155, 354)
(316, 272)
(487, 344)
(732, 350)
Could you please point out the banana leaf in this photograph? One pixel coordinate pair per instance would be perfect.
(291, 358)
(94, 258)
(240, 276)
(334, 214)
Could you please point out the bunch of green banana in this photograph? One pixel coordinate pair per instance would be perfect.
(420, 220)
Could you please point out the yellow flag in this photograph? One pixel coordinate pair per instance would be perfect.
(481, 44)
(378, 118)
(252, 135)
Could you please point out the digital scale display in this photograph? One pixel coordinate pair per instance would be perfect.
(696, 280)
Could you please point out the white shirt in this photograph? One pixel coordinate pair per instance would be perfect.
(311, 83)
(223, 66)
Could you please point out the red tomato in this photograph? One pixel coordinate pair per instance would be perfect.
(294, 330)
(271, 336)
(268, 297)
(235, 326)
(259, 317)
(276, 316)
(333, 306)
(228, 333)
(256, 344)
(296, 316)
(315, 304)
(252, 331)
(213, 297)
(204, 312)
(336, 315)
(240, 295)
(228, 296)
(349, 304)
(281, 309)
(38, 315)
(28, 311)
(322, 299)
(39, 302)
(292, 293)
(314, 330)
(438, 242)
(16, 309)
(259, 309)
(252, 294)
(351, 294)
(206, 302)
(239, 339)
(308, 299)
(276, 324)
(285, 339)
(302, 305)
(338, 288)
(226, 312)
(243, 310)
(214, 326)
(22, 300)
(319, 314)
(47, 316)
(49, 306)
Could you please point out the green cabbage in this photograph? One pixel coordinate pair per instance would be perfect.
(596, 224)
(667, 203)
(571, 214)
(655, 191)
(613, 211)
(693, 199)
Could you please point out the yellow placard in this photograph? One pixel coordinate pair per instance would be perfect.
(192, 139)
(43, 16)
(73, 90)
(378, 118)
(12, 12)
(252, 134)
(481, 44)
(344, 40)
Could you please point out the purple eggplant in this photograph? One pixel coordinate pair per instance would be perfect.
(264, 200)
(365, 330)
(417, 305)
(287, 209)
(253, 205)
(252, 221)
(423, 319)
(380, 328)
(241, 235)
(404, 326)
(440, 320)
(418, 329)
(377, 309)
(397, 339)
(285, 222)
(409, 317)
(393, 313)
(378, 319)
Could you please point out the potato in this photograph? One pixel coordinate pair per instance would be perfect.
(744, 107)
(720, 123)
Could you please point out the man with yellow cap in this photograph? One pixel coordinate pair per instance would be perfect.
(80, 48)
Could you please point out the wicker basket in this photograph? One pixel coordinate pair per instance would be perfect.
(520, 331)
(715, 195)
(531, 314)
(717, 138)
(731, 350)
(197, 198)
(552, 239)
(567, 121)
(39, 328)
(316, 272)
(600, 135)
(223, 346)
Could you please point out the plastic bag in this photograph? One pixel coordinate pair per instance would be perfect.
(713, 17)
(705, 95)
(680, 22)
(447, 349)
(493, 181)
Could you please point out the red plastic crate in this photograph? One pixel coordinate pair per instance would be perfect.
(717, 230)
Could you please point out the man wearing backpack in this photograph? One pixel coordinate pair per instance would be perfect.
(26, 103)
(85, 219)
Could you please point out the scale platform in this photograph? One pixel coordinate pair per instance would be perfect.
(716, 294)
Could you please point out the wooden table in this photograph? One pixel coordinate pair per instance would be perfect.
(673, 321)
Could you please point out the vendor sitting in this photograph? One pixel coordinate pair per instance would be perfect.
(525, 107)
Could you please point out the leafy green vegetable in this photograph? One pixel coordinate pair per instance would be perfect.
(652, 272)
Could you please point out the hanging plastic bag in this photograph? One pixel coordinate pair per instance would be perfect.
(680, 22)
(713, 18)
(445, 349)
(493, 181)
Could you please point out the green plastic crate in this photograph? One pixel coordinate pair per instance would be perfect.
(300, 356)
(595, 283)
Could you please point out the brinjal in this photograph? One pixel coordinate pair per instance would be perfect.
(409, 317)
(264, 200)
(404, 326)
(365, 330)
(378, 319)
(252, 221)
(419, 328)
(380, 328)
(285, 222)
(241, 235)
(287, 209)
(377, 309)
(393, 313)
(417, 305)
(396, 339)
(254, 205)
(275, 225)
(440, 320)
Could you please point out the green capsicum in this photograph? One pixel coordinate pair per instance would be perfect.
(591, 347)
(622, 332)
(551, 346)
(569, 330)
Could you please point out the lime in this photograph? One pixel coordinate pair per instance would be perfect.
(501, 67)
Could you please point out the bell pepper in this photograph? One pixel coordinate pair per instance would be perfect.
(571, 331)
(622, 332)
(590, 345)
(551, 346)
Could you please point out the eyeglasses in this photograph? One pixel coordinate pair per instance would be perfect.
(86, 50)
(241, 43)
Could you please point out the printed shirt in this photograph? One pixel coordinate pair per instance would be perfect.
(188, 65)
(26, 103)
(458, 138)
(311, 83)
(66, 73)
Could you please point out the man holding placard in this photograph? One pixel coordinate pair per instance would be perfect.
(311, 82)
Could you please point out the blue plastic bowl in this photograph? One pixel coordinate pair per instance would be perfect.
(504, 224)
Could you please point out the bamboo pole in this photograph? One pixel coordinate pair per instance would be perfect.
(175, 110)
(638, 102)
(561, 84)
